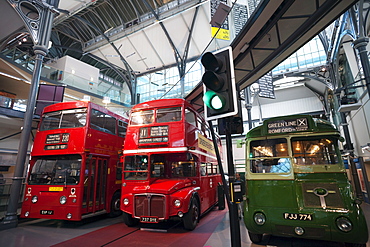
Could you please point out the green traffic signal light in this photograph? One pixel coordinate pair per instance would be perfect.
(214, 100)
(219, 84)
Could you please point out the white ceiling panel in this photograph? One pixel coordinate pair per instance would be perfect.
(149, 49)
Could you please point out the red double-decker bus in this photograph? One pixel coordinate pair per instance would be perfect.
(74, 169)
(170, 168)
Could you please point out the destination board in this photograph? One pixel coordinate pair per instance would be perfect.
(287, 125)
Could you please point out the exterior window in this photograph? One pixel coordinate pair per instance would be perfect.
(212, 169)
(142, 117)
(203, 169)
(269, 156)
(56, 170)
(136, 167)
(103, 122)
(172, 114)
(119, 171)
(190, 117)
(318, 151)
(72, 118)
(183, 169)
(122, 128)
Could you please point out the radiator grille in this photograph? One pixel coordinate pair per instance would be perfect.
(331, 200)
(150, 205)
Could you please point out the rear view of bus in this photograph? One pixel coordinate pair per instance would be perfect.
(169, 165)
(74, 168)
(296, 183)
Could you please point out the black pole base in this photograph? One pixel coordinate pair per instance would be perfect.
(9, 222)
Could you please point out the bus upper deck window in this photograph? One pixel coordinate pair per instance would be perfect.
(142, 117)
(172, 114)
(190, 117)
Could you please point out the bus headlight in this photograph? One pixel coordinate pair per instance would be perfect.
(34, 199)
(344, 224)
(177, 203)
(63, 200)
(69, 216)
(126, 201)
(259, 218)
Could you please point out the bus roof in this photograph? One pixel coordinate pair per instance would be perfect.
(79, 104)
(161, 103)
(291, 124)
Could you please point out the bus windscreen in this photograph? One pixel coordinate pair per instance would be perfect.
(56, 170)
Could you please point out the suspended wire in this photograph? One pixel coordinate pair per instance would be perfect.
(209, 43)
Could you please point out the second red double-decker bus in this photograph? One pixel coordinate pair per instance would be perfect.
(170, 168)
(74, 168)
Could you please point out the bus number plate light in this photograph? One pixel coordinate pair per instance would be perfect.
(304, 217)
(149, 219)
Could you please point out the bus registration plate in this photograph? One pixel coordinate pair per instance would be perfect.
(290, 216)
(47, 212)
(149, 219)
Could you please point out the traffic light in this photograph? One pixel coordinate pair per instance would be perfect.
(219, 84)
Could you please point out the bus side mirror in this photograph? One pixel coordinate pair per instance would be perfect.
(240, 143)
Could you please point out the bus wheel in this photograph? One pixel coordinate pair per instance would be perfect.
(115, 205)
(192, 216)
(128, 220)
(255, 237)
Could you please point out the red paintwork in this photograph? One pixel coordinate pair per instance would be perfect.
(181, 135)
(86, 142)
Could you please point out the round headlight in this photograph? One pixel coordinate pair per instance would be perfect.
(69, 216)
(299, 230)
(34, 199)
(344, 224)
(259, 218)
(63, 200)
(177, 203)
(126, 201)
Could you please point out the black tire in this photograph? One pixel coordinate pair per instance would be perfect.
(115, 210)
(191, 218)
(129, 221)
(255, 237)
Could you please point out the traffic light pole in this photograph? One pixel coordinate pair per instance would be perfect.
(233, 209)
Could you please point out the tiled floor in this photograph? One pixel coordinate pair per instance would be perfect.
(213, 231)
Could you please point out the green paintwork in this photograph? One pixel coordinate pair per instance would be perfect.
(299, 192)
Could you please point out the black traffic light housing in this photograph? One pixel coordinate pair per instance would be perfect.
(219, 84)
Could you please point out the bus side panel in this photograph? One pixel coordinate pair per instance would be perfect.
(208, 191)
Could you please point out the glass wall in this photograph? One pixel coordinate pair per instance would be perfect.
(166, 83)
(310, 55)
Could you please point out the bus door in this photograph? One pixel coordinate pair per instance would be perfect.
(94, 185)
(100, 184)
